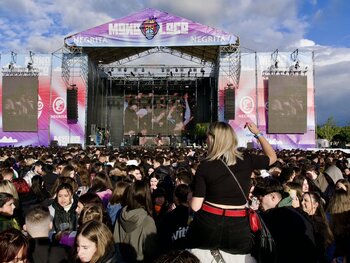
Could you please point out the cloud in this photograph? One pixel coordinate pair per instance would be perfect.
(6, 139)
(263, 26)
(332, 84)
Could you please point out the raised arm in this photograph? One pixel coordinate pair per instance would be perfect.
(265, 145)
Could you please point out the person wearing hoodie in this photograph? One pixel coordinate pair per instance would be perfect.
(135, 230)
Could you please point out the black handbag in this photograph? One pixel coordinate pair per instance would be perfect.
(264, 246)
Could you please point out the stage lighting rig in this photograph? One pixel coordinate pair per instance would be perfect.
(274, 59)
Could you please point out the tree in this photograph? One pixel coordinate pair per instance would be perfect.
(344, 135)
(328, 130)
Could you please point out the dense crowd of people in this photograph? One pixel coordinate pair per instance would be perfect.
(161, 204)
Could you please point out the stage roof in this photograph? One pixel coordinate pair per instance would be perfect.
(138, 32)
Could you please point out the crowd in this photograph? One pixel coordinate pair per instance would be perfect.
(159, 204)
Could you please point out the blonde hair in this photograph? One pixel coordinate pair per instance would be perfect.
(91, 212)
(7, 186)
(222, 143)
(99, 234)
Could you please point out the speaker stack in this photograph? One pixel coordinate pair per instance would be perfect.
(229, 104)
(72, 104)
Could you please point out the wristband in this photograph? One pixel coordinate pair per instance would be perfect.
(256, 136)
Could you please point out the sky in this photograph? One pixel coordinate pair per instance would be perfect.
(321, 26)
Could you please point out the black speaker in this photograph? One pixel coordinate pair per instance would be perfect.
(229, 104)
(203, 102)
(54, 143)
(72, 105)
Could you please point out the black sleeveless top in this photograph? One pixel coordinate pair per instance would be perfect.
(216, 184)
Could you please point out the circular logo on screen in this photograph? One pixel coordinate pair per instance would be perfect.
(58, 105)
(40, 106)
(246, 104)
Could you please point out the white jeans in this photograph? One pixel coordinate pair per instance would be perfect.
(205, 256)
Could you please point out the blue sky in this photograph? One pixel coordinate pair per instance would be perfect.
(263, 26)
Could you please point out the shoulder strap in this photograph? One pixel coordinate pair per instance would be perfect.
(234, 177)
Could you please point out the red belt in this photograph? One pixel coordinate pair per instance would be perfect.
(224, 212)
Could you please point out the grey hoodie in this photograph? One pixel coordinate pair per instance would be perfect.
(334, 173)
(135, 235)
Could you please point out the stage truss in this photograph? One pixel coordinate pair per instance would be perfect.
(73, 58)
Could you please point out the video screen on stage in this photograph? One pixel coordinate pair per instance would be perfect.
(20, 103)
(159, 112)
(287, 104)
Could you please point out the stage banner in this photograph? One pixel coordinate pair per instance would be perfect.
(245, 96)
(42, 62)
(61, 131)
(286, 66)
(150, 28)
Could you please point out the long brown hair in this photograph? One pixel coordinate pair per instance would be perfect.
(340, 201)
(139, 196)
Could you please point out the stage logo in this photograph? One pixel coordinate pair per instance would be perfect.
(246, 104)
(58, 106)
(149, 28)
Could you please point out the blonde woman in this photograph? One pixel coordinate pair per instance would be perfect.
(221, 220)
(95, 243)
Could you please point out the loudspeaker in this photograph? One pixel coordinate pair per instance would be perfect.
(203, 102)
(72, 105)
(229, 104)
(54, 143)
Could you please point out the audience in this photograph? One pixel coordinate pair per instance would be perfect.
(86, 193)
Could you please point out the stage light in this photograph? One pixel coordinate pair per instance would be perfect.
(297, 65)
(125, 69)
(11, 66)
(29, 66)
(132, 73)
(171, 73)
(276, 64)
(176, 70)
(203, 72)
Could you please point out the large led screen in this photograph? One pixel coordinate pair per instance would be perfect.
(20, 103)
(287, 104)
